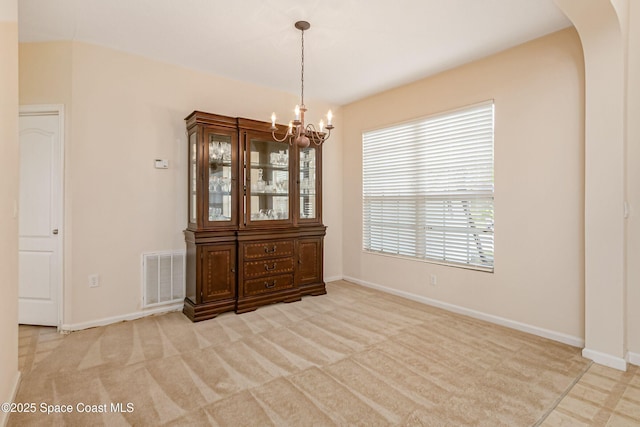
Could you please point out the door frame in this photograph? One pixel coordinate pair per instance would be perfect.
(55, 110)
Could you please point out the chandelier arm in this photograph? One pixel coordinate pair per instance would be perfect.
(287, 135)
(328, 132)
(325, 137)
(317, 137)
(311, 128)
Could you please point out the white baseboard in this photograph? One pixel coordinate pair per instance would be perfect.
(332, 279)
(4, 416)
(534, 330)
(633, 358)
(605, 359)
(122, 318)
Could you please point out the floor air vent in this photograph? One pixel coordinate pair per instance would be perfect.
(163, 278)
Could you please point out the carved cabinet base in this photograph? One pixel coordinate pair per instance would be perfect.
(244, 270)
(206, 310)
(251, 303)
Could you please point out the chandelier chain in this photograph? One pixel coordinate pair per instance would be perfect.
(302, 69)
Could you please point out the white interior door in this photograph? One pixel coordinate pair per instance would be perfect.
(40, 218)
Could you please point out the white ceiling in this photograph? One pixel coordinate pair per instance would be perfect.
(353, 49)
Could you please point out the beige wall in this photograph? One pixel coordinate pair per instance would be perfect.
(9, 174)
(610, 249)
(539, 186)
(633, 182)
(123, 112)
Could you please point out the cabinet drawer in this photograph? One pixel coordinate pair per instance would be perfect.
(268, 284)
(268, 249)
(268, 267)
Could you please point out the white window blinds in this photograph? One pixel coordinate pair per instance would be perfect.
(428, 188)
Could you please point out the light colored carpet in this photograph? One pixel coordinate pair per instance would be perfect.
(355, 356)
(603, 397)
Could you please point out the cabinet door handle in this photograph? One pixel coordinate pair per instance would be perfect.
(233, 270)
(270, 251)
(270, 285)
(273, 267)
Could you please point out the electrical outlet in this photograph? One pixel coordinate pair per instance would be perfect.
(94, 280)
(434, 280)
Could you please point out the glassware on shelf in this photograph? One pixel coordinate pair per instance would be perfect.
(215, 214)
(226, 152)
(214, 151)
(269, 214)
(281, 158)
(270, 188)
(269, 177)
(225, 184)
(219, 151)
(260, 185)
(213, 184)
(282, 186)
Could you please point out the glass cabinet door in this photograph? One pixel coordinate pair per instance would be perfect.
(219, 154)
(267, 180)
(307, 179)
(193, 178)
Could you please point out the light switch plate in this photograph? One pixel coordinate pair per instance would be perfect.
(162, 164)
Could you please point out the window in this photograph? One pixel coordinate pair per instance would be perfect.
(428, 188)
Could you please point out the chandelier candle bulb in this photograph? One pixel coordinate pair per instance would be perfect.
(329, 117)
(297, 111)
(321, 126)
(273, 119)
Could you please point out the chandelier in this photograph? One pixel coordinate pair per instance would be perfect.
(298, 132)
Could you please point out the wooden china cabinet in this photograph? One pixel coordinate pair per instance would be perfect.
(255, 232)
